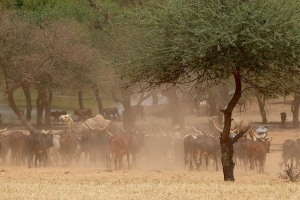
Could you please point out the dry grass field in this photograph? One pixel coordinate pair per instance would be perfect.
(98, 183)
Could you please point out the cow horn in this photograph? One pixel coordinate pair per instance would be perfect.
(216, 126)
(3, 130)
(197, 131)
(163, 133)
(108, 132)
(251, 134)
(236, 131)
(43, 131)
(77, 137)
(266, 134)
(259, 137)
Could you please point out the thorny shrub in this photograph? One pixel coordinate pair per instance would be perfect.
(291, 173)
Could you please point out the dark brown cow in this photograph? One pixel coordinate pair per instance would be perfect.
(37, 144)
(83, 113)
(240, 151)
(291, 151)
(93, 144)
(111, 113)
(56, 114)
(208, 146)
(69, 145)
(138, 143)
(138, 112)
(4, 141)
(256, 152)
(190, 151)
(16, 143)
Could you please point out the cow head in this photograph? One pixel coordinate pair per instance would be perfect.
(267, 144)
(65, 118)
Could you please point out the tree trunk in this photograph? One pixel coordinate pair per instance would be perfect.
(175, 108)
(12, 103)
(295, 110)
(262, 104)
(128, 115)
(80, 100)
(99, 101)
(211, 101)
(27, 95)
(41, 102)
(48, 106)
(39, 110)
(226, 142)
(154, 98)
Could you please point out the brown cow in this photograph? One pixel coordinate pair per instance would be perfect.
(256, 152)
(16, 143)
(190, 151)
(4, 142)
(69, 145)
(119, 145)
(138, 143)
(83, 113)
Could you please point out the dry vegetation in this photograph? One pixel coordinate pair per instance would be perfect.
(97, 183)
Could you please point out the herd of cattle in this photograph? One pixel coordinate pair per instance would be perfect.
(66, 147)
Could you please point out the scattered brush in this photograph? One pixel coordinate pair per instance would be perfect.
(291, 173)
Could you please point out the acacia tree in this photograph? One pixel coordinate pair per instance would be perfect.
(207, 42)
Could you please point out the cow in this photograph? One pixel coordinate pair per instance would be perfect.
(208, 146)
(239, 151)
(137, 144)
(38, 145)
(54, 150)
(138, 111)
(111, 113)
(93, 144)
(56, 114)
(256, 152)
(83, 113)
(4, 142)
(119, 145)
(291, 151)
(16, 143)
(190, 151)
(69, 147)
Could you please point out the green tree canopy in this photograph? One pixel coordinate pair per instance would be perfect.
(206, 42)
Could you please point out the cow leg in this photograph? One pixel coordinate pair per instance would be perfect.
(30, 159)
(185, 160)
(120, 159)
(134, 164)
(195, 159)
(206, 161)
(35, 159)
(297, 163)
(191, 167)
(116, 161)
(216, 160)
(199, 161)
(251, 160)
(128, 160)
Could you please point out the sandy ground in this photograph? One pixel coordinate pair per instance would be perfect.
(98, 183)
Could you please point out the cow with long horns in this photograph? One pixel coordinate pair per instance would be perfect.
(258, 148)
